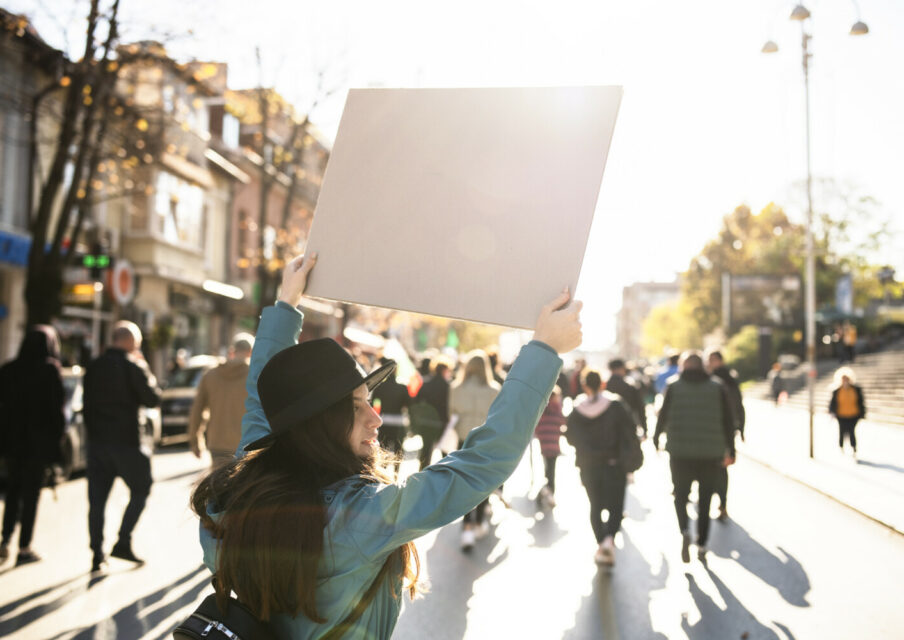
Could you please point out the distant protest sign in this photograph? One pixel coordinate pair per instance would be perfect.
(466, 203)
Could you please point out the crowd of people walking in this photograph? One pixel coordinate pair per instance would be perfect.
(303, 517)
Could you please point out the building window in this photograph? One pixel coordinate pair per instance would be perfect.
(230, 131)
(179, 211)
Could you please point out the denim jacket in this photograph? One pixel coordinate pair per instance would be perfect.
(366, 521)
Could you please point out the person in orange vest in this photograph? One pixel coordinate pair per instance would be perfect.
(848, 406)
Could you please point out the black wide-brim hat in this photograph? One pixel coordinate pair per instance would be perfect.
(305, 379)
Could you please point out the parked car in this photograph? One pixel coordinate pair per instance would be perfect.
(179, 395)
(74, 444)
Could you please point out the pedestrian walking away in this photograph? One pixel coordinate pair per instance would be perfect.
(391, 400)
(549, 433)
(306, 527)
(221, 398)
(598, 429)
(776, 382)
(620, 384)
(31, 427)
(667, 372)
(117, 384)
(849, 338)
(696, 418)
(716, 366)
(848, 406)
(470, 398)
(430, 410)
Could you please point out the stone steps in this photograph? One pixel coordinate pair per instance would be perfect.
(881, 375)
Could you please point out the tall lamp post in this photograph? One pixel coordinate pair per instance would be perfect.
(801, 14)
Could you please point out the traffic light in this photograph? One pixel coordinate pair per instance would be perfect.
(96, 263)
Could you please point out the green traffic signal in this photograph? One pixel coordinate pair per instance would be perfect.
(96, 261)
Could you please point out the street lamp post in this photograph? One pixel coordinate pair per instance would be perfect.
(801, 14)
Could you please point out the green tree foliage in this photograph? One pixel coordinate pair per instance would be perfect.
(762, 243)
(742, 352)
(671, 326)
(849, 233)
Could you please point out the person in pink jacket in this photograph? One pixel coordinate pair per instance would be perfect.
(548, 432)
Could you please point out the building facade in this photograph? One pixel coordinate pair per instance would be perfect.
(638, 300)
(27, 66)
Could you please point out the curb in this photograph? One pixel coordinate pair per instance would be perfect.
(810, 486)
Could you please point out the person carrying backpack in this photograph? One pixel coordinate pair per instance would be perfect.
(601, 428)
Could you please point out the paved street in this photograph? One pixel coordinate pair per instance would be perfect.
(871, 484)
(790, 564)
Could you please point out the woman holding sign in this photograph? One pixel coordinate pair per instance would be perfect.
(305, 528)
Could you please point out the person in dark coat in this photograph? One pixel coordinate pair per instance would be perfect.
(393, 401)
(31, 411)
(597, 429)
(430, 411)
(697, 418)
(718, 369)
(776, 382)
(848, 406)
(621, 385)
(116, 385)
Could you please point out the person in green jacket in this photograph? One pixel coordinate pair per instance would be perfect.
(696, 415)
(304, 526)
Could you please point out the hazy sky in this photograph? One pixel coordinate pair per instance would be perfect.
(707, 121)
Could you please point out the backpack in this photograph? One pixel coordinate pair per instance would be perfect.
(630, 455)
(238, 623)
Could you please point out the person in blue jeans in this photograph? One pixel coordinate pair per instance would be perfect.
(304, 526)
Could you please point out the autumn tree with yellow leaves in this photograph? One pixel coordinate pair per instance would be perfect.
(79, 129)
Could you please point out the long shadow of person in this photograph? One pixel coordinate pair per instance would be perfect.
(544, 529)
(634, 509)
(880, 465)
(618, 605)
(7, 626)
(785, 574)
(735, 621)
(132, 622)
(448, 598)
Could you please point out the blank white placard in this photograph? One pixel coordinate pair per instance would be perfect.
(467, 203)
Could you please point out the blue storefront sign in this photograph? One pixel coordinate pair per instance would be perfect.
(14, 249)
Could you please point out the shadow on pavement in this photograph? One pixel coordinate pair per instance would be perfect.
(544, 529)
(129, 622)
(880, 465)
(618, 605)
(448, 599)
(8, 626)
(735, 621)
(634, 510)
(731, 540)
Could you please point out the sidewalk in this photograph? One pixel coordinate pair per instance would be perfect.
(873, 485)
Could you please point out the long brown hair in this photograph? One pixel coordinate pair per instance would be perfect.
(478, 368)
(270, 528)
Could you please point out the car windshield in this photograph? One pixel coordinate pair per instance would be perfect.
(189, 377)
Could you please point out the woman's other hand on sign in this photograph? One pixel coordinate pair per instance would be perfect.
(559, 324)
